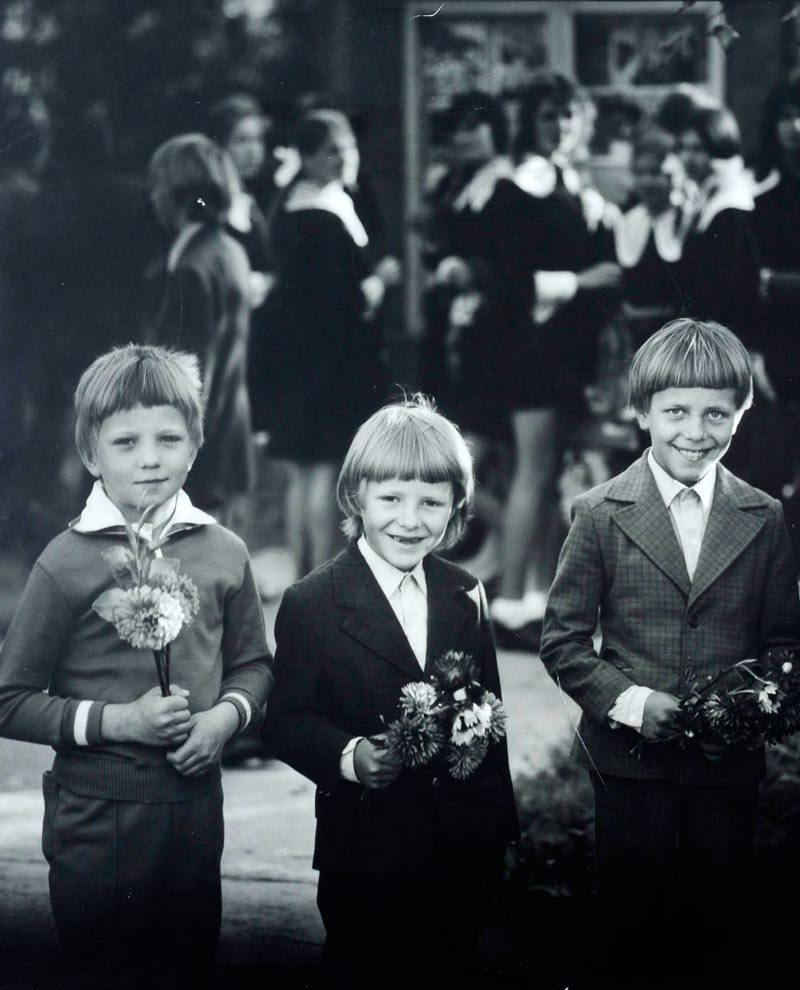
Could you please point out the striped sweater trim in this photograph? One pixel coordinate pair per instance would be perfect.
(81, 723)
(242, 705)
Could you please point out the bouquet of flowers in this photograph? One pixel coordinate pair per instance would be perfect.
(153, 601)
(744, 705)
(449, 715)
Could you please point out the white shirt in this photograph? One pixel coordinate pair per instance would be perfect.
(414, 624)
(628, 709)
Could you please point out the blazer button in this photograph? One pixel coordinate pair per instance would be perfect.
(694, 622)
(435, 782)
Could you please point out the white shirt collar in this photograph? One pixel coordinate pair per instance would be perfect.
(669, 488)
(100, 513)
(389, 577)
(333, 198)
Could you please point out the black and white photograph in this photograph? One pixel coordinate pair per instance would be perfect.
(399, 494)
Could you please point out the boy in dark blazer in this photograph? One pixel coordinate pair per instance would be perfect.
(404, 856)
(690, 570)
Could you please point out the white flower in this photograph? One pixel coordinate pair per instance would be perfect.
(764, 697)
(470, 724)
(786, 668)
(460, 695)
(149, 618)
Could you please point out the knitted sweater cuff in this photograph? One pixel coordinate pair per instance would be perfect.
(80, 724)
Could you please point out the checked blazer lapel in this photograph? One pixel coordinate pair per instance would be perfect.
(449, 610)
(729, 531)
(370, 618)
(645, 520)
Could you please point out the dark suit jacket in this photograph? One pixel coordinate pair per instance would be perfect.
(660, 629)
(340, 663)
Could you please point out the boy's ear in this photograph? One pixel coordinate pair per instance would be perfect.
(643, 419)
(90, 464)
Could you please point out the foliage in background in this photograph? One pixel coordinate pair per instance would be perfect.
(154, 64)
(547, 900)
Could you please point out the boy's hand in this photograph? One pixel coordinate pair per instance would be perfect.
(151, 719)
(659, 711)
(374, 766)
(208, 734)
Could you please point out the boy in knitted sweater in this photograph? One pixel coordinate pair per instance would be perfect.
(133, 827)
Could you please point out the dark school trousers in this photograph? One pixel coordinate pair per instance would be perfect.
(675, 877)
(420, 927)
(132, 883)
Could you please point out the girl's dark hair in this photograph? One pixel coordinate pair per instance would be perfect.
(546, 86)
(675, 111)
(197, 174)
(785, 93)
(225, 114)
(717, 129)
(477, 107)
(311, 133)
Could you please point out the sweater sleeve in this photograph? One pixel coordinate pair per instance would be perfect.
(246, 659)
(30, 654)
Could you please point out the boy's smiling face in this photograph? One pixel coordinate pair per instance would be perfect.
(142, 455)
(690, 429)
(404, 520)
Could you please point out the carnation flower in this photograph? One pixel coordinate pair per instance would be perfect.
(181, 587)
(148, 618)
(786, 667)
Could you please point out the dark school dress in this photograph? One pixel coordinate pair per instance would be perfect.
(549, 363)
(462, 347)
(324, 358)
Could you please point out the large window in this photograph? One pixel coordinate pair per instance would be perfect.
(627, 54)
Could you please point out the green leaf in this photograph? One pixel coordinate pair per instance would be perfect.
(108, 604)
(122, 564)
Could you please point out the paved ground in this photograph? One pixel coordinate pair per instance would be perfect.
(271, 930)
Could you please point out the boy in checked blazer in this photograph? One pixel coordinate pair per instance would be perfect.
(689, 570)
(404, 856)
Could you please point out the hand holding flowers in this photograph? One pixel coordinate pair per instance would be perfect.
(745, 705)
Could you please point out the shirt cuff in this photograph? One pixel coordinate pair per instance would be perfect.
(552, 289)
(347, 765)
(628, 709)
(374, 291)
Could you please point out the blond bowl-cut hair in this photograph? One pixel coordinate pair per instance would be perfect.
(687, 353)
(137, 375)
(411, 441)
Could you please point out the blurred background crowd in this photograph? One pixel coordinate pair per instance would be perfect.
(451, 207)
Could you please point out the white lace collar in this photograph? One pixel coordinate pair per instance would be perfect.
(632, 232)
(480, 188)
(729, 187)
(333, 199)
(537, 176)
